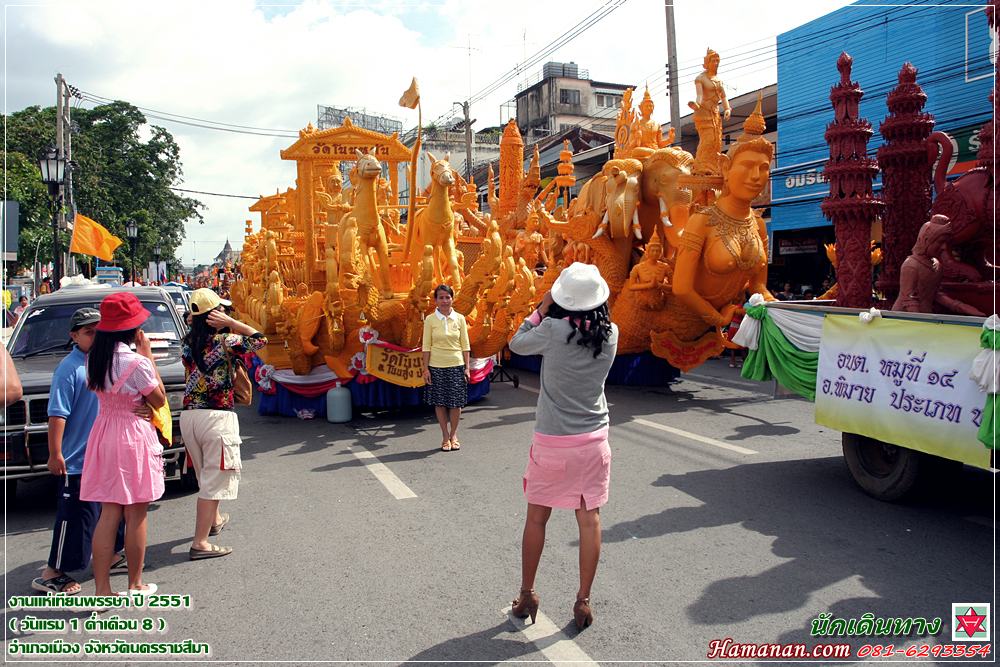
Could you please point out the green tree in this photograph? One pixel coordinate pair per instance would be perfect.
(117, 177)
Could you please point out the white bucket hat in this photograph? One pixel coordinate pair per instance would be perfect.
(580, 287)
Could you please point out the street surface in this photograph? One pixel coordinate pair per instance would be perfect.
(731, 515)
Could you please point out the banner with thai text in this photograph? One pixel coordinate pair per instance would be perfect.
(902, 382)
(395, 365)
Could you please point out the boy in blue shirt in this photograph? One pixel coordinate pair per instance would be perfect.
(72, 410)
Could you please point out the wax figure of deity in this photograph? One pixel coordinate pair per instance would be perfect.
(528, 244)
(920, 276)
(646, 132)
(649, 277)
(710, 92)
(722, 255)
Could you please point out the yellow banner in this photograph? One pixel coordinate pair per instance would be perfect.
(902, 382)
(397, 367)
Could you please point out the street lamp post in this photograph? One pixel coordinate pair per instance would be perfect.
(53, 170)
(132, 231)
(156, 258)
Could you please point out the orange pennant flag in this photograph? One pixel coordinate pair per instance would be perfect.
(411, 97)
(91, 238)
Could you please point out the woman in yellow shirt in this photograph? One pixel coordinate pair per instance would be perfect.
(446, 365)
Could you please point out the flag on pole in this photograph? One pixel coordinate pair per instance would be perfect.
(411, 97)
(91, 238)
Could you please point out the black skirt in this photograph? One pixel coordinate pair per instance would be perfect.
(447, 388)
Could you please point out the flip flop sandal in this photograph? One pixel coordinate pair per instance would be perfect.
(446, 446)
(149, 590)
(217, 528)
(120, 565)
(456, 445)
(215, 552)
(55, 585)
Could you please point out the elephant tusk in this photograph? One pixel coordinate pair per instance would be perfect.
(601, 227)
(664, 214)
(636, 227)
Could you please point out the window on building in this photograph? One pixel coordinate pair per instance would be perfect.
(608, 100)
(566, 126)
(567, 96)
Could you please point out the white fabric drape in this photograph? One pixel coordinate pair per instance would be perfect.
(803, 330)
(986, 366)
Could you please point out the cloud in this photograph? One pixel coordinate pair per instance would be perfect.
(268, 67)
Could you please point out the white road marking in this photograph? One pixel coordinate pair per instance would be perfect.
(528, 388)
(550, 640)
(694, 436)
(382, 473)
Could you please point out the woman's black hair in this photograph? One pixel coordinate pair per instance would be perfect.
(593, 327)
(446, 288)
(197, 339)
(102, 355)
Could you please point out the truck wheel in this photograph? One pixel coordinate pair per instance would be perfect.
(883, 471)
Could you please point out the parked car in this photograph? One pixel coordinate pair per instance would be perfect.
(41, 340)
(180, 297)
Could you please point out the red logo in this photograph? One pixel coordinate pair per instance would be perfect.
(970, 622)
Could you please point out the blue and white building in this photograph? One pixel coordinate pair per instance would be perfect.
(952, 47)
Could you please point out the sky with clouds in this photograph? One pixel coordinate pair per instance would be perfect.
(268, 65)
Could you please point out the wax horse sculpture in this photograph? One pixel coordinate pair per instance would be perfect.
(920, 275)
(435, 225)
(371, 234)
(722, 255)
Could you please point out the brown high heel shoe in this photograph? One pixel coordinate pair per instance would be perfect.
(582, 614)
(526, 604)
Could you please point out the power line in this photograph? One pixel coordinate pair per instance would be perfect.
(171, 116)
(214, 194)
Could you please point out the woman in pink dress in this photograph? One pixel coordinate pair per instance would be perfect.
(123, 465)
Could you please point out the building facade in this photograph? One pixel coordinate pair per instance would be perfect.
(563, 96)
(950, 44)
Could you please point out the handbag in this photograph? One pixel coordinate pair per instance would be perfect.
(242, 386)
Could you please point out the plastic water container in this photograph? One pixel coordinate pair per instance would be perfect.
(338, 405)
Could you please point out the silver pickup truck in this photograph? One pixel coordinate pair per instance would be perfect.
(39, 342)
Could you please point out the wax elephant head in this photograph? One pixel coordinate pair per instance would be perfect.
(621, 200)
(664, 201)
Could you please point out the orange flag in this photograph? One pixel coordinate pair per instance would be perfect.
(411, 97)
(91, 238)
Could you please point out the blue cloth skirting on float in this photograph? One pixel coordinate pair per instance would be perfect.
(644, 369)
(377, 395)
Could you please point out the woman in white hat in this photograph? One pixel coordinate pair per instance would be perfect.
(569, 464)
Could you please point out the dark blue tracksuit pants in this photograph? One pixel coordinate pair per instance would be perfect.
(74, 529)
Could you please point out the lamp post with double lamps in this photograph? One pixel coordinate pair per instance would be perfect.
(132, 232)
(53, 170)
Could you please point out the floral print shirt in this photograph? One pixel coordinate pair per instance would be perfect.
(213, 390)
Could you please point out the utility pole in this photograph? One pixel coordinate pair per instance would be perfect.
(675, 102)
(468, 140)
(64, 151)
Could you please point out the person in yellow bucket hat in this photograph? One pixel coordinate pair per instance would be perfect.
(211, 428)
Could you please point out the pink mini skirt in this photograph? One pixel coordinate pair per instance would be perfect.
(568, 471)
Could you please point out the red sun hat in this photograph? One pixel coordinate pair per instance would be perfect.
(120, 312)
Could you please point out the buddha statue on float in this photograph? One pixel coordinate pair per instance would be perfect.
(722, 255)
